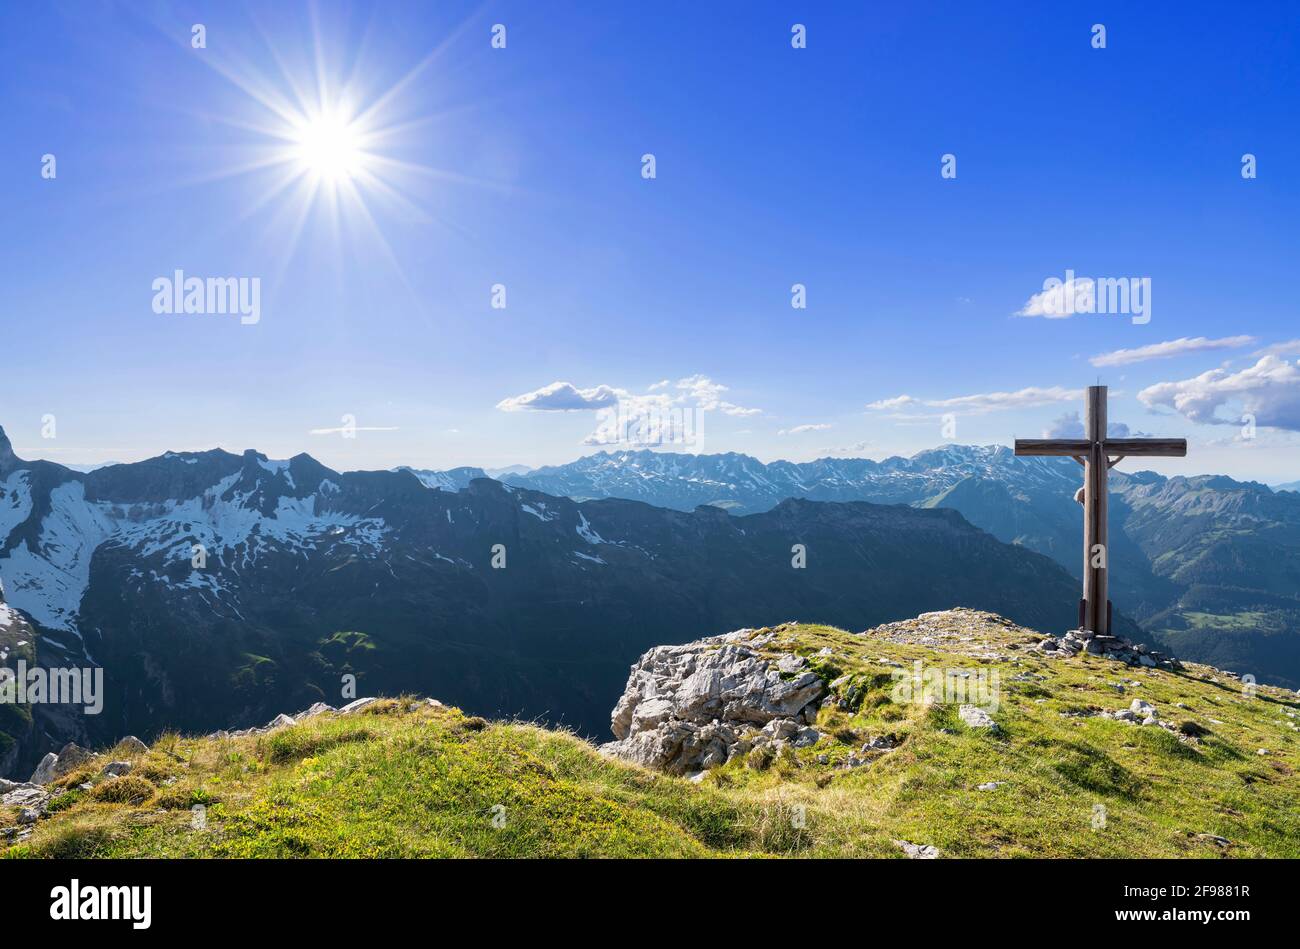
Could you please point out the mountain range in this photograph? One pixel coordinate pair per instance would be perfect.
(216, 588)
(1209, 566)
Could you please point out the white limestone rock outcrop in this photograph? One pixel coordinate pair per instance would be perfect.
(54, 766)
(31, 801)
(44, 772)
(693, 707)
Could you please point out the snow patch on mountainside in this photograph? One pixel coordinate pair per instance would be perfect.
(225, 524)
(586, 532)
(453, 479)
(542, 515)
(432, 479)
(49, 582)
(38, 587)
(277, 468)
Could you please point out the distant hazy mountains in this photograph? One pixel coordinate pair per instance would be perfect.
(1209, 565)
(216, 589)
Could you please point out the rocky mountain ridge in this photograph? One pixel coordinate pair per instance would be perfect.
(1207, 565)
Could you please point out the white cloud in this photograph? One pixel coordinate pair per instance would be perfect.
(352, 428)
(562, 397)
(897, 402)
(620, 412)
(1054, 303)
(1070, 425)
(800, 429)
(1268, 390)
(1290, 348)
(1168, 349)
(707, 396)
(855, 449)
(984, 402)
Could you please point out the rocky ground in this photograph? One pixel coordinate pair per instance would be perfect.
(967, 632)
(693, 707)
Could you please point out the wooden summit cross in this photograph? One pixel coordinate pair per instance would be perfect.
(1094, 452)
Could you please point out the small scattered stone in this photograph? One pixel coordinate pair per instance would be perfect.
(917, 851)
(805, 737)
(975, 717)
(790, 664)
(316, 708)
(1143, 709)
(132, 745)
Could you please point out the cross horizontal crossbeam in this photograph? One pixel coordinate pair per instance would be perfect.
(1131, 447)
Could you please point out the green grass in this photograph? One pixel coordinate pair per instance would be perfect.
(1235, 622)
(407, 780)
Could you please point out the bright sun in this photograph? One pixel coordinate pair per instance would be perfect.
(329, 149)
(329, 146)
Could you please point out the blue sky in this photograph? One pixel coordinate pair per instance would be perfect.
(522, 167)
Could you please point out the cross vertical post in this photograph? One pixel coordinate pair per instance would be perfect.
(1096, 554)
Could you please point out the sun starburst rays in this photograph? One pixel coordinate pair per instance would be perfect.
(333, 155)
(320, 147)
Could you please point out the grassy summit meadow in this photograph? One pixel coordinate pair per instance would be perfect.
(406, 777)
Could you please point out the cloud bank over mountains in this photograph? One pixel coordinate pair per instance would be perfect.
(981, 403)
(1268, 390)
(657, 415)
